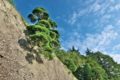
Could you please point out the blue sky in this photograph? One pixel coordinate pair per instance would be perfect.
(82, 23)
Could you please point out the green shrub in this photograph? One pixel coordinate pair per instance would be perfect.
(71, 65)
(47, 54)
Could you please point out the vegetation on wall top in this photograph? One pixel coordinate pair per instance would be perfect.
(93, 66)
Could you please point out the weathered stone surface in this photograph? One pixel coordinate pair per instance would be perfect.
(17, 62)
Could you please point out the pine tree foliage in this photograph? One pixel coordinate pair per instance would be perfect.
(46, 23)
(53, 24)
(39, 13)
(43, 33)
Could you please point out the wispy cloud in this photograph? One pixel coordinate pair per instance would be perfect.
(117, 7)
(113, 8)
(116, 57)
(61, 30)
(73, 18)
(106, 16)
(115, 53)
(116, 47)
(93, 41)
(112, 1)
(118, 23)
(100, 41)
(96, 8)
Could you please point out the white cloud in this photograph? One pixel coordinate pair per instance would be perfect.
(99, 7)
(112, 1)
(73, 35)
(116, 57)
(117, 7)
(118, 23)
(94, 7)
(61, 29)
(93, 41)
(108, 28)
(76, 34)
(73, 18)
(113, 8)
(100, 41)
(104, 7)
(106, 16)
(116, 47)
(82, 12)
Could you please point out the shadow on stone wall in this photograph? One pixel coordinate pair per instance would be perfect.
(32, 54)
(30, 57)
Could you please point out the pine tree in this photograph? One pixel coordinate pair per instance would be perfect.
(43, 33)
(88, 52)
